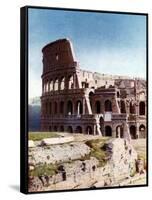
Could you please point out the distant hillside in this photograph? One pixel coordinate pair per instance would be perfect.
(34, 114)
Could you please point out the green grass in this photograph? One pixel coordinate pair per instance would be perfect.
(35, 136)
(97, 150)
(44, 169)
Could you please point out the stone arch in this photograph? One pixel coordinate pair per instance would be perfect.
(50, 128)
(55, 107)
(46, 108)
(91, 98)
(142, 108)
(118, 94)
(132, 108)
(108, 106)
(51, 85)
(62, 128)
(108, 131)
(70, 82)
(123, 106)
(119, 131)
(55, 128)
(98, 107)
(62, 107)
(62, 83)
(56, 84)
(70, 129)
(69, 107)
(47, 87)
(79, 107)
(89, 130)
(133, 132)
(78, 129)
(142, 131)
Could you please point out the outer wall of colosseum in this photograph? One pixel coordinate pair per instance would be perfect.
(78, 101)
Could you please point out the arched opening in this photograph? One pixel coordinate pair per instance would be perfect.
(62, 83)
(108, 131)
(123, 107)
(89, 130)
(132, 108)
(142, 131)
(119, 131)
(133, 132)
(118, 94)
(62, 128)
(47, 87)
(70, 129)
(70, 82)
(51, 85)
(56, 84)
(79, 107)
(50, 108)
(91, 99)
(142, 108)
(78, 129)
(55, 129)
(102, 125)
(61, 107)
(98, 107)
(50, 128)
(69, 108)
(55, 107)
(108, 106)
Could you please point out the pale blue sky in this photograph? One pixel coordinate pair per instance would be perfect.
(103, 42)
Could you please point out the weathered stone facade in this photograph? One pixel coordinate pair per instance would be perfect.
(78, 101)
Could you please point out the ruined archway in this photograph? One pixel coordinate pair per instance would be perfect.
(62, 128)
(133, 132)
(123, 106)
(98, 107)
(62, 83)
(70, 129)
(132, 108)
(142, 108)
(70, 82)
(78, 129)
(79, 108)
(108, 106)
(142, 131)
(69, 108)
(108, 131)
(56, 84)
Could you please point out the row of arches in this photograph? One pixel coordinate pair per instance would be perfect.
(59, 84)
(142, 131)
(107, 106)
(61, 107)
(132, 107)
(70, 129)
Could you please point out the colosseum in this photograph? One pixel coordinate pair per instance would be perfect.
(78, 101)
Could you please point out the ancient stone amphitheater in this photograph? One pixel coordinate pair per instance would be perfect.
(78, 101)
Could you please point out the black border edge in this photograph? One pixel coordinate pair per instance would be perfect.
(23, 100)
(24, 97)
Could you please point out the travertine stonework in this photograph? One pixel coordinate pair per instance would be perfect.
(74, 100)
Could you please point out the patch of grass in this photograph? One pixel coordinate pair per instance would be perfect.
(97, 150)
(36, 136)
(43, 169)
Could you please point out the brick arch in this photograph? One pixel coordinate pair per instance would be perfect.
(98, 107)
(78, 129)
(69, 107)
(56, 84)
(108, 131)
(108, 105)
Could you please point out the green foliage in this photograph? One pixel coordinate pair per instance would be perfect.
(43, 169)
(35, 136)
(97, 150)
